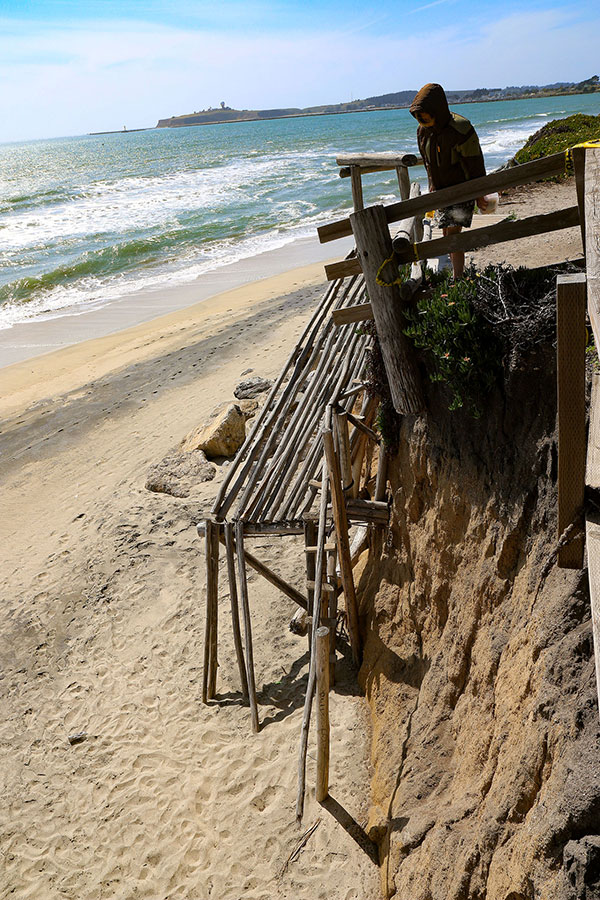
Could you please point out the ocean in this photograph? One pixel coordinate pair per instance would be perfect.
(87, 220)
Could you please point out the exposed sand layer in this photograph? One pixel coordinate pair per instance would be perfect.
(102, 631)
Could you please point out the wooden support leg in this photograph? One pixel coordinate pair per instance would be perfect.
(209, 675)
(235, 613)
(382, 465)
(341, 529)
(310, 537)
(332, 580)
(322, 713)
(570, 351)
(243, 583)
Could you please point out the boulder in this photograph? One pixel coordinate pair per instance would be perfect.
(248, 407)
(179, 472)
(222, 435)
(252, 387)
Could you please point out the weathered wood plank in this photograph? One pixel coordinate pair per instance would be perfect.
(378, 160)
(468, 190)
(592, 520)
(361, 313)
(243, 584)
(357, 191)
(476, 238)
(592, 238)
(374, 245)
(343, 269)
(570, 358)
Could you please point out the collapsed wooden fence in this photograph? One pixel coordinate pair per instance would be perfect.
(309, 453)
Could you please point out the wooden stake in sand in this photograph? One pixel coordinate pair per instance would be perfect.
(235, 613)
(312, 672)
(341, 532)
(239, 541)
(322, 713)
(209, 675)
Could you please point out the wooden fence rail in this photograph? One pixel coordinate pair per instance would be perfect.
(460, 193)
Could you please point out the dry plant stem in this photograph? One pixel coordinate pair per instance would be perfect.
(322, 713)
(239, 541)
(235, 613)
(310, 687)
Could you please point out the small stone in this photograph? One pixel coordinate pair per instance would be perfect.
(222, 435)
(249, 389)
(78, 737)
(246, 372)
(178, 473)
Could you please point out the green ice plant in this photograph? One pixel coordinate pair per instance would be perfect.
(461, 351)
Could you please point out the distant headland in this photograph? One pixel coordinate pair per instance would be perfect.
(399, 100)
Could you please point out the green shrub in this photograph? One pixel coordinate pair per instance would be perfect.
(461, 350)
(559, 135)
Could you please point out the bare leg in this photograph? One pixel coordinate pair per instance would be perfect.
(458, 258)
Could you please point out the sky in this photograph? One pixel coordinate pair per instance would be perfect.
(69, 68)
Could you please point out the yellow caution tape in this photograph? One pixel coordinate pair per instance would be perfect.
(593, 144)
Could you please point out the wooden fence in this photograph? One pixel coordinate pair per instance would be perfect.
(300, 470)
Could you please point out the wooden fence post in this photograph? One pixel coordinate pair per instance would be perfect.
(322, 713)
(570, 353)
(374, 245)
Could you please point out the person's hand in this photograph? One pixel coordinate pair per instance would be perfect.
(482, 203)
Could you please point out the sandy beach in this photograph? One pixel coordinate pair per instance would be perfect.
(103, 615)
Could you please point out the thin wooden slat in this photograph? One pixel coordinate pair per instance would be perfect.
(468, 190)
(243, 584)
(310, 534)
(570, 355)
(592, 520)
(235, 612)
(500, 233)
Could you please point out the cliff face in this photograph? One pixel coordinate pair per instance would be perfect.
(479, 664)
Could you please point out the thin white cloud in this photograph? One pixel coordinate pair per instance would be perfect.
(78, 79)
(429, 5)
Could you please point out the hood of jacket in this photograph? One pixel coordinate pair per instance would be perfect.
(431, 99)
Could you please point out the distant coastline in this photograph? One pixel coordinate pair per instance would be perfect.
(400, 100)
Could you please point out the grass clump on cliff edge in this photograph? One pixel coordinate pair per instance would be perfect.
(559, 135)
(471, 330)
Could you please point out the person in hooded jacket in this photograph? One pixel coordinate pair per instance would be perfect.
(450, 149)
